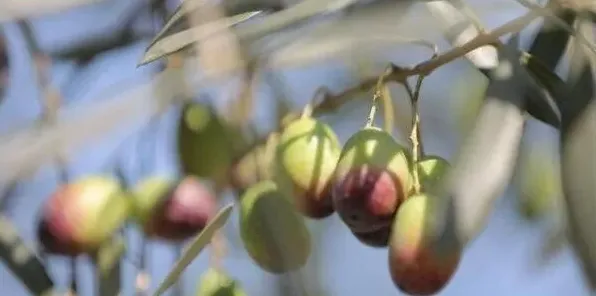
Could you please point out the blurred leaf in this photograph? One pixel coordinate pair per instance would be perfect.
(22, 261)
(551, 41)
(13, 10)
(578, 160)
(477, 180)
(546, 51)
(545, 101)
(24, 150)
(579, 184)
(548, 46)
(195, 248)
(269, 24)
(164, 46)
(178, 20)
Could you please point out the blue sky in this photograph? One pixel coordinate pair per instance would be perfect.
(499, 262)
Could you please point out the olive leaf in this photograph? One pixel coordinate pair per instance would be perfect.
(195, 248)
(163, 46)
(578, 171)
(551, 41)
(184, 8)
(486, 160)
(545, 52)
(578, 161)
(14, 10)
(270, 24)
(177, 21)
(22, 261)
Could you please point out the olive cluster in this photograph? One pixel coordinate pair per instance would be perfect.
(300, 172)
(304, 171)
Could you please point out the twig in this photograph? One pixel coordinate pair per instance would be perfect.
(411, 95)
(415, 133)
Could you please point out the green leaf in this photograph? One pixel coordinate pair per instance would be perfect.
(556, 87)
(182, 9)
(26, 266)
(163, 46)
(195, 248)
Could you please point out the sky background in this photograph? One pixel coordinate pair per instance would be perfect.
(502, 261)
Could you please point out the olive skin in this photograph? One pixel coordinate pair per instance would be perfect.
(416, 267)
(371, 180)
(173, 211)
(80, 216)
(255, 166)
(376, 239)
(272, 231)
(307, 154)
(205, 143)
(216, 283)
(431, 171)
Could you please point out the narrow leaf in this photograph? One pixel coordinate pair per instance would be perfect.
(15, 10)
(177, 21)
(22, 261)
(164, 46)
(578, 160)
(551, 41)
(579, 185)
(195, 248)
(487, 159)
(270, 24)
(184, 8)
(548, 47)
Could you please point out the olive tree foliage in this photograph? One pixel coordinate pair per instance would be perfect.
(244, 38)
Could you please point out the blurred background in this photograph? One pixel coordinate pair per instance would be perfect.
(504, 260)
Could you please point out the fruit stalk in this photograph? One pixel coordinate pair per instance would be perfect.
(218, 245)
(218, 252)
(415, 134)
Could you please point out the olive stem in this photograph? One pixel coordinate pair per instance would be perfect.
(378, 94)
(320, 95)
(412, 95)
(218, 251)
(307, 111)
(388, 109)
(373, 110)
(415, 136)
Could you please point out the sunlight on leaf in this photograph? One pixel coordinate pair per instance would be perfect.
(195, 248)
(161, 47)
